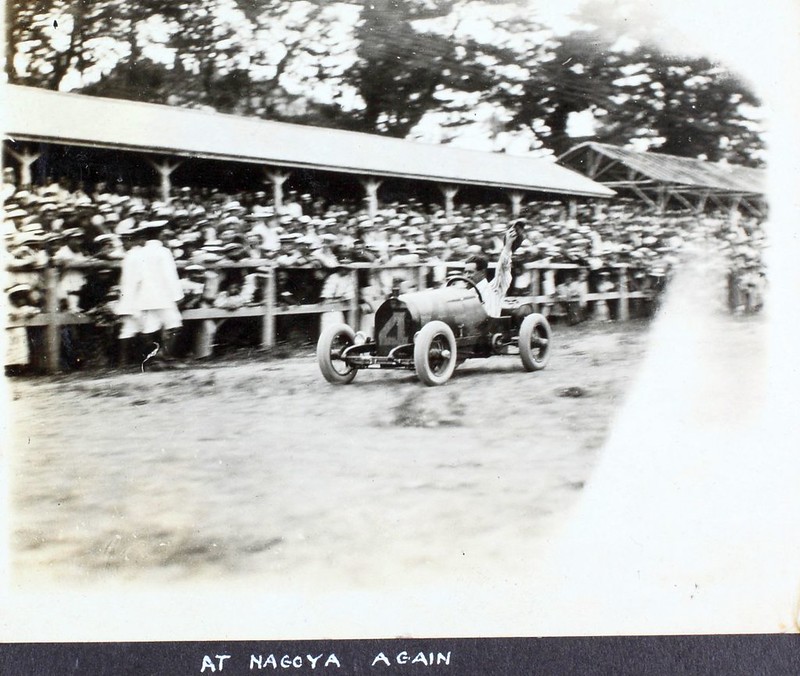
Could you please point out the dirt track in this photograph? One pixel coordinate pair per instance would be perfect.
(259, 469)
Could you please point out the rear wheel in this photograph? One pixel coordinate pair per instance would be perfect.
(534, 342)
(435, 353)
(330, 345)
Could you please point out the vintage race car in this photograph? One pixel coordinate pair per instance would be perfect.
(433, 331)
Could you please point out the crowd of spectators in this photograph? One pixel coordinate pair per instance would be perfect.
(225, 244)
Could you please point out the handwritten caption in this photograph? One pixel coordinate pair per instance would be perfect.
(212, 664)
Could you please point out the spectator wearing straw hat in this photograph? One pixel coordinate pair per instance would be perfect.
(20, 306)
(193, 285)
(71, 281)
(9, 186)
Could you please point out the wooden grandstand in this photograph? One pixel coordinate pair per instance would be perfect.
(661, 180)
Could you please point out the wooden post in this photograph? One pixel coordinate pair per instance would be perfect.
(53, 327)
(165, 170)
(733, 214)
(536, 286)
(624, 308)
(685, 202)
(663, 199)
(268, 325)
(371, 186)
(754, 209)
(701, 202)
(572, 208)
(354, 319)
(204, 339)
(593, 162)
(598, 209)
(644, 197)
(422, 277)
(26, 160)
(449, 192)
(277, 178)
(516, 202)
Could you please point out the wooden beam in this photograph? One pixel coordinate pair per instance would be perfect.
(663, 199)
(449, 191)
(26, 158)
(682, 200)
(53, 328)
(624, 307)
(594, 161)
(610, 165)
(641, 194)
(733, 209)
(268, 325)
(716, 200)
(758, 210)
(353, 313)
(165, 169)
(277, 177)
(371, 186)
(572, 208)
(702, 198)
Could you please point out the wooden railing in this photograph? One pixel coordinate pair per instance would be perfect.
(52, 318)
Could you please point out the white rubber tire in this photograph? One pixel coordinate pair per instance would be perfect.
(333, 339)
(535, 338)
(435, 337)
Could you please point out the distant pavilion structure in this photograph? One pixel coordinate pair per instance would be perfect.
(662, 180)
(42, 128)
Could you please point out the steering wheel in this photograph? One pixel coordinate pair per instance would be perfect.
(467, 281)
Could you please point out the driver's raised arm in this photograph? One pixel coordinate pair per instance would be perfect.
(502, 275)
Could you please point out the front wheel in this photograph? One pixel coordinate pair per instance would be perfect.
(435, 353)
(534, 342)
(330, 345)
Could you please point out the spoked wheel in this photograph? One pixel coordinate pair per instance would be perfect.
(534, 342)
(330, 345)
(435, 353)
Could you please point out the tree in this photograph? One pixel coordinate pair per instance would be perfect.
(576, 74)
(224, 54)
(680, 103)
(383, 66)
(46, 39)
(694, 108)
(215, 63)
(398, 67)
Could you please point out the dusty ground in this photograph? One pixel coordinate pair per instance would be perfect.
(259, 469)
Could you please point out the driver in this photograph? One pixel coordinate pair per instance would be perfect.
(493, 292)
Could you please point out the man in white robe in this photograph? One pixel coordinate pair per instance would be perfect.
(149, 293)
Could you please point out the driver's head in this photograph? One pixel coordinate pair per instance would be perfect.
(475, 267)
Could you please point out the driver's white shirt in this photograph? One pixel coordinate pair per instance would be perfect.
(494, 292)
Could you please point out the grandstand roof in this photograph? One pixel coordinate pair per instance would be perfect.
(31, 114)
(621, 167)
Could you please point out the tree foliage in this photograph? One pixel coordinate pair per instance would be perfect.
(385, 66)
(398, 69)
